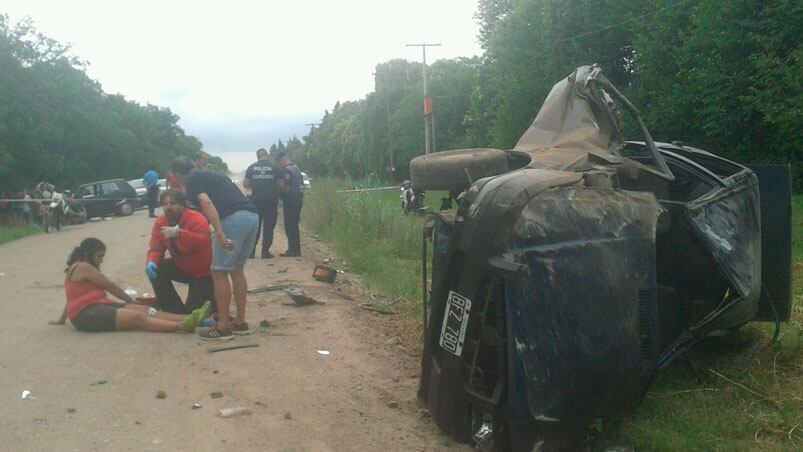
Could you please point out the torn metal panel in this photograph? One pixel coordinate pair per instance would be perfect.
(567, 120)
(727, 221)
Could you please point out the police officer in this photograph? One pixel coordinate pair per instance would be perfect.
(292, 199)
(264, 177)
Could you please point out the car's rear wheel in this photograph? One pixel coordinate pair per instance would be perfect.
(126, 208)
(456, 170)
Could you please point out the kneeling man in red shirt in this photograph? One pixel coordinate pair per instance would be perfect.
(185, 234)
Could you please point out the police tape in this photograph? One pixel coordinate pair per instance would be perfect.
(356, 190)
(72, 200)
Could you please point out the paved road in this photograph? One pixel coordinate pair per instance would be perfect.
(97, 391)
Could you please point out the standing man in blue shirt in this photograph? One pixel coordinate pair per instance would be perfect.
(264, 178)
(151, 182)
(292, 200)
(234, 220)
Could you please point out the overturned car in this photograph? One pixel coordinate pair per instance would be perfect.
(578, 265)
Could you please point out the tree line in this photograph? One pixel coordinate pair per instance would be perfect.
(721, 75)
(57, 124)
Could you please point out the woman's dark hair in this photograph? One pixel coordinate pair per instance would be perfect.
(85, 251)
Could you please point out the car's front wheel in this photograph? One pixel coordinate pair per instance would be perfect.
(126, 209)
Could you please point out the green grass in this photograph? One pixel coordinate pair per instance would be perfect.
(374, 239)
(740, 393)
(9, 233)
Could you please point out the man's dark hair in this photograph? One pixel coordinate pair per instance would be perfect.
(182, 166)
(200, 155)
(280, 155)
(262, 151)
(177, 196)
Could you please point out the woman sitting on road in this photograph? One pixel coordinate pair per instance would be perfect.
(89, 309)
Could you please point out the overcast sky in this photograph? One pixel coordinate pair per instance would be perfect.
(242, 74)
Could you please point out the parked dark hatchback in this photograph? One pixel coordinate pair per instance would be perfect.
(566, 281)
(107, 197)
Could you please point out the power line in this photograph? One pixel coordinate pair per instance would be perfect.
(581, 35)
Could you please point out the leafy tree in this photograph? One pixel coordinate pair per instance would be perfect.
(57, 124)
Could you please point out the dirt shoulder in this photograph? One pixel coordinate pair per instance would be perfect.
(97, 391)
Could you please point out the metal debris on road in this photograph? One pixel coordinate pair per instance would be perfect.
(323, 352)
(268, 288)
(230, 347)
(373, 307)
(26, 395)
(299, 298)
(195, 406)
(336, 291)
(100, 382)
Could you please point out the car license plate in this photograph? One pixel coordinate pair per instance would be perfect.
(455, 320)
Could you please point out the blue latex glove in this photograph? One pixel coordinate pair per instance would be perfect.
(150, 270)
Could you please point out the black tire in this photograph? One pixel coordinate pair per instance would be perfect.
(126, 209)
(448, 170)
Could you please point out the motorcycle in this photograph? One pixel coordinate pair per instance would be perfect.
(408, 198)
(63, 210)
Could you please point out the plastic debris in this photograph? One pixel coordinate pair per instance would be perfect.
(26, 395)
(234, 411)
(131, 292)
(195, 406)
(324, 272)
(323, 352)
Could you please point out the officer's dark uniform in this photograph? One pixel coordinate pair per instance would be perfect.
(292, 200)
(264, 176)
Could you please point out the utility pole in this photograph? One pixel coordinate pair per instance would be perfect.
(427, 100)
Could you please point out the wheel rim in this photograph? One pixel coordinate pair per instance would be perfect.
(126, 209)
